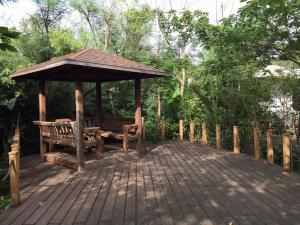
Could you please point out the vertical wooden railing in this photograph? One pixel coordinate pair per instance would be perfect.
(204, 134)
(218, 136)
(192, 132)
(14, 169)
(256, 142)
(236, 141)
(270, 153)
(181, 130)
(286, 146)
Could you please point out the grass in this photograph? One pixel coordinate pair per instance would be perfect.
(4, 203)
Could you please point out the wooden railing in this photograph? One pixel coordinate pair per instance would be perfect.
(203, 138)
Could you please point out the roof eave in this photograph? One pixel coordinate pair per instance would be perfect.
(91, 65)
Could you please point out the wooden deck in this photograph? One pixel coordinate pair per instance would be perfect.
(175, 183)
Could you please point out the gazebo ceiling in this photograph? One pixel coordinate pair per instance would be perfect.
(88, 65)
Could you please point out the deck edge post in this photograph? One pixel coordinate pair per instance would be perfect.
(79, 131)
(14, 177)
(192, 132)
(256, 142)
(236, 141)
(218, 136)
(181, 129)
(270, 153)
(204, 134)
(286, 152)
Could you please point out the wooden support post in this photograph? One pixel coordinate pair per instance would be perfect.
(16, 146)
(236, 141)
(98, 103)
(14, 178)
(204, 134)
(218, 136)
(138, 116)
(162, 130)
(79, 123)
(192, 132)
(181, 130)
(286, 152)
(256, 142)
(270, 153)
(42, 114)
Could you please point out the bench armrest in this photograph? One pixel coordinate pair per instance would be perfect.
(128, 127)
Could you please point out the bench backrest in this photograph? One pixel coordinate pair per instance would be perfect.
(57, 130)
(111, 124)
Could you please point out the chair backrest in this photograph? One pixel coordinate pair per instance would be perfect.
(115, 124)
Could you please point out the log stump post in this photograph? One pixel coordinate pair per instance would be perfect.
(256, 142)
(204, 134)
(181, 130)
(270, 153)
(236, 141)
(14, 177)
(218, 136)
(192, 132)
(286, 152)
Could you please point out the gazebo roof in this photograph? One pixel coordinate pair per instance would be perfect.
(88, 65)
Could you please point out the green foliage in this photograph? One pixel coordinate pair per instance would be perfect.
(6, 37)
(4, 202)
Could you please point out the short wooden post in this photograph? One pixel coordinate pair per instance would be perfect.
(218, 136)
(79, 130)
(16, 147)
(14, 178)
(256, 142)
(270, 153)
(162, 131)
(204, 134)
(286, 152)
(144, 129)
(42, 114)
(192, 132)
(236, 142)
(181, 130)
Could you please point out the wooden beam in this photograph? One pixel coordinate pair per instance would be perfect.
(204, 134)
(192, 132)
(138, 116)
(256, 142)
(79, 130)
(181, 130)
(42, 113)
(14, 178)
(236, 141)
(286, 152)
(270, 153)
(98, 103)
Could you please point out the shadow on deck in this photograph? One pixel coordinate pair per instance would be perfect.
(174, 183)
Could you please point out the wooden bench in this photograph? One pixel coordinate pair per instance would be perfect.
(63, 132)
(123, 129)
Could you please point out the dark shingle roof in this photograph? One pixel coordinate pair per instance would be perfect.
(92, 59)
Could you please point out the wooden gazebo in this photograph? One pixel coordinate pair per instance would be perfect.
(89, 65)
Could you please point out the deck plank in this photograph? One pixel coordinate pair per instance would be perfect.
(174, 183)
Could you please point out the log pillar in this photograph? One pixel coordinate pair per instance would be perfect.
(79, 124)
(138, 116)
(236, 141)
(286, 152)
(218, 136)
(256, 142)
(270, 153)
(98, 103)
(192, 132)
(181, 130)
(14, 178)
(42, 114)
(204, 134)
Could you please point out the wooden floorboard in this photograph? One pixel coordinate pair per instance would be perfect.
(174, 183)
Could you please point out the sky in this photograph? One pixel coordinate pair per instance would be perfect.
(11, 14)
